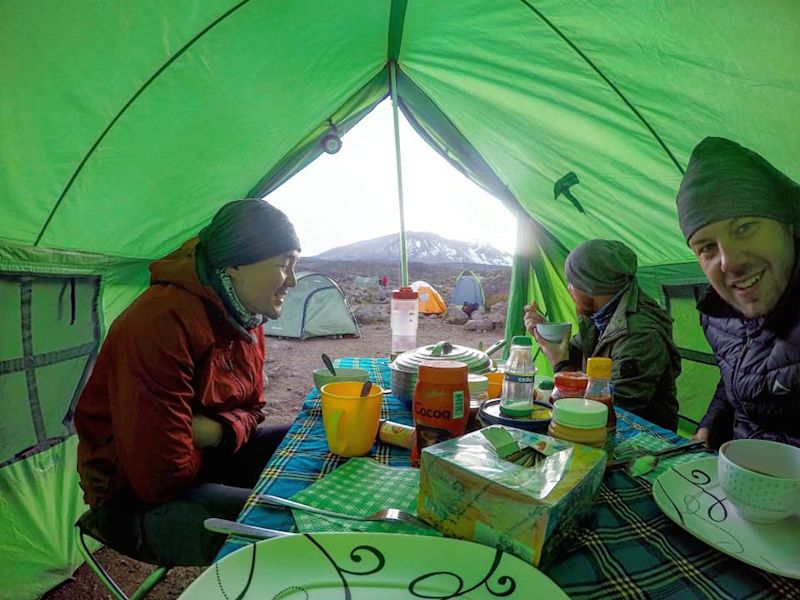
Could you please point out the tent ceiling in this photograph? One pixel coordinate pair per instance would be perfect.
(191, 103)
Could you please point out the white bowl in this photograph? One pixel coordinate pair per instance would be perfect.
(553, 332)
(761, 478)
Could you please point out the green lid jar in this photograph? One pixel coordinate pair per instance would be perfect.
(580, 421)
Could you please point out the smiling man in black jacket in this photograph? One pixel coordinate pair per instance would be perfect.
(740, 217)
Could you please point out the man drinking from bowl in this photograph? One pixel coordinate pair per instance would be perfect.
(619, 321)
(739, 215)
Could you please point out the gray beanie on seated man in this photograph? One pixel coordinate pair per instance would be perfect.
(599, 267)
(725, 180)
(245, 232)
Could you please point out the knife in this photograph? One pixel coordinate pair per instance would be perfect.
(249, 531)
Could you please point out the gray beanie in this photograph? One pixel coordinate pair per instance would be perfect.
(600, 267)
(725, 180)
(246, 231)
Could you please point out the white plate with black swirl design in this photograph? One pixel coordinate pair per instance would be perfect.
(370, 566)
(690, 495)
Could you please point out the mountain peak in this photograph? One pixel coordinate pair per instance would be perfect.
(423, 247)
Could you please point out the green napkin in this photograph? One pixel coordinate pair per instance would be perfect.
(360, 487)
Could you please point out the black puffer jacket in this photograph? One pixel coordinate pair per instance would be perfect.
(759, 361)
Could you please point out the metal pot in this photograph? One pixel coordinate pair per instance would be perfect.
(405, 367)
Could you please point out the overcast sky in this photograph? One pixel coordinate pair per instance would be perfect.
(352, 195)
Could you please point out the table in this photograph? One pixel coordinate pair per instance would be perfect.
(626, 548)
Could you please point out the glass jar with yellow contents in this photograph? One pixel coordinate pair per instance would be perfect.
(580, 421)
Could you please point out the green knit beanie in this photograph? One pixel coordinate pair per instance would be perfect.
(244, 232)
(725, 180)
(600, 267)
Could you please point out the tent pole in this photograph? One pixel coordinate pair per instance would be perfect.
(403, 251)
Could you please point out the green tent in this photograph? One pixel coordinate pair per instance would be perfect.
(467, 289)
(124, 126)
(315, 307)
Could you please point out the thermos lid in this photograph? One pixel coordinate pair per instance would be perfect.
(580, 413)
(405, 293)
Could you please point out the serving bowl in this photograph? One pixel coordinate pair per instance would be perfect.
(324, 376)
(553, 332)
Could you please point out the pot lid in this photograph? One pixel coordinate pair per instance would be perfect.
(476, 360)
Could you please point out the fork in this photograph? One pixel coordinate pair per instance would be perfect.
(389, 515)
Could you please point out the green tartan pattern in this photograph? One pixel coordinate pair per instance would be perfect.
(624, 548)
(359, 487)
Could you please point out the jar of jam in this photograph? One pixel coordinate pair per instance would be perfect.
(478, 393)
(568, 384)
(579, 421)
(598, 371)
(441, 403)
(543, 390)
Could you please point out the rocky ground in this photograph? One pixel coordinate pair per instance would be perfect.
(288, 373)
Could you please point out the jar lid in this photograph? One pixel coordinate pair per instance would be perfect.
(405, 293)
(521, 340)
(450, 372)
(571, 379)
(598, 367)
(580, 413)
(478, 384)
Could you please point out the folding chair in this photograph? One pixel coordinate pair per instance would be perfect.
(152, 579)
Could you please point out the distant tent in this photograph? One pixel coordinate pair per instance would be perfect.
(363, 281)
(315, 307)
(467, 289)
(430, 301)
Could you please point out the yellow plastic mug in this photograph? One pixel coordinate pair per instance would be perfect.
(495, 383)
(351, 422)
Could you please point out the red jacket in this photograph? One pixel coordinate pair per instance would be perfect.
(171, 354)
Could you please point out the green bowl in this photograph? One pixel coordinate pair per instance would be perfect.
(323, 376)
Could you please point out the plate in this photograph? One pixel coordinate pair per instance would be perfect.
(690, 495)
(366, 566)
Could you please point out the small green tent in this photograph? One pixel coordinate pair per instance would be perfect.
(467, 289)
(315, 307)
(124, 126)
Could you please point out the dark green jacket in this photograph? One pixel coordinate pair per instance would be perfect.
(638, 339)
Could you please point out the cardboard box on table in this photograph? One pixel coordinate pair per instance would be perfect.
(467, 491)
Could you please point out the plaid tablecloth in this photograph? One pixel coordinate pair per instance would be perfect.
(626, 548)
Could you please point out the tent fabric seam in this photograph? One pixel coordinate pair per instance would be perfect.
(610, 83)
(124, 109)
(46, 359)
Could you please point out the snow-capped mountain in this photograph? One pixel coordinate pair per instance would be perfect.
(423, 248)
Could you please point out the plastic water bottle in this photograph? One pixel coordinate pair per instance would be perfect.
(516, 399)
(404, 319)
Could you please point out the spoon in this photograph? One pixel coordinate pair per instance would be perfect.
(328, 363)
(366, 388)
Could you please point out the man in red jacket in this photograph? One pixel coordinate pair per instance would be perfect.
(168, 421)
